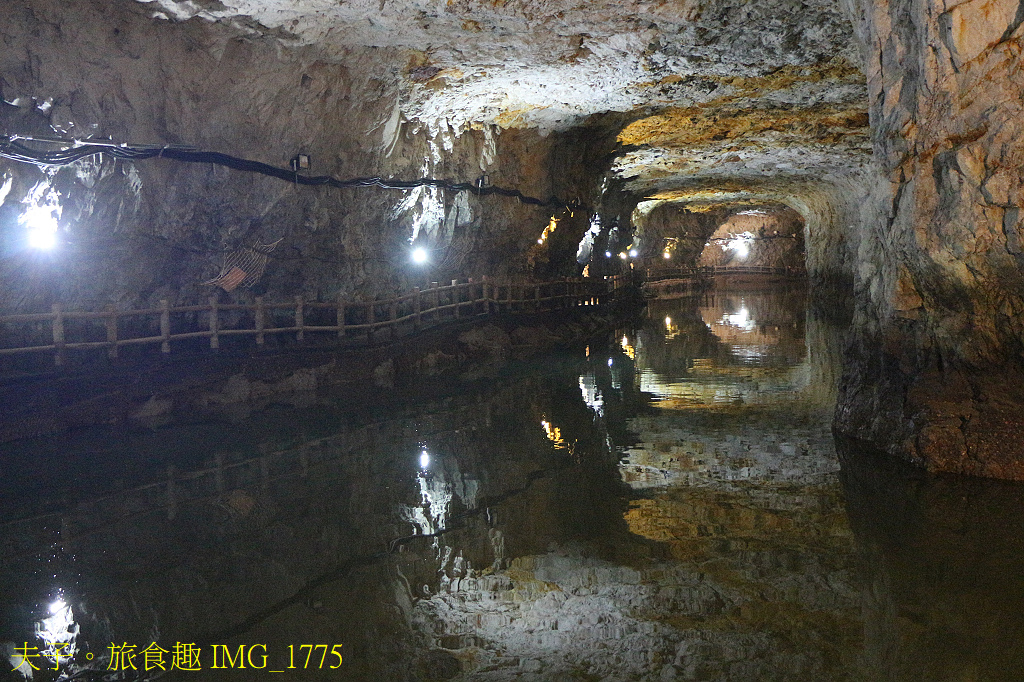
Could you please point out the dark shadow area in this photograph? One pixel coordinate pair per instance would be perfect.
(943, 556)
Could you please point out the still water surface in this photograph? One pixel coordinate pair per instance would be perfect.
(667, 504)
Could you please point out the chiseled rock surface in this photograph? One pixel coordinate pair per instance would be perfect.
(133, 233)
(934, 373)
(614, 103)
(764, 100)
(548, 63)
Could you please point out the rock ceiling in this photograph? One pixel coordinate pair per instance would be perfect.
(733, 97)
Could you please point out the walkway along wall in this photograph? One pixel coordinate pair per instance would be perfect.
(367, 321)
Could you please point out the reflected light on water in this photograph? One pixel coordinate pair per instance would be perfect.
(58, 631)
(628, 349)
(671, 330)
(592, 394)
(554, 435)
(740, 320)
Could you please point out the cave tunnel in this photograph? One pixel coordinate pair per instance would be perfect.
(332, 344)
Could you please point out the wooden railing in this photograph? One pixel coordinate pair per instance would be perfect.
(654, 274)
(410, 312)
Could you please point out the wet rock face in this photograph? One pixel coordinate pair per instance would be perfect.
(134, 233)
(940, 275)
(672, 228)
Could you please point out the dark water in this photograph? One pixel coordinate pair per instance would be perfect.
(667, 505)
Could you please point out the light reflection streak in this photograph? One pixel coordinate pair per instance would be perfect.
(592, 394)
(554, 435)
(628, 349)
(740, 319)
(671, 329)
(58, 632)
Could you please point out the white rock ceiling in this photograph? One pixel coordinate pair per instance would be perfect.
(773, 87)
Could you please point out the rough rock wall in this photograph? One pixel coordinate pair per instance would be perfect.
(772, 239)
(934, 370)
(690, 230)
(831, 208)
(134, 233)
(832, 234)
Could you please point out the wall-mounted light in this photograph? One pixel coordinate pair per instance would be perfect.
(419, 255)
(740, 244)
(41, 222)
(551, 227)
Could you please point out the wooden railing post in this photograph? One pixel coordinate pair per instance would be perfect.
(260, 321)
(111, 323)
(58, 334)
(214, 324)
(341, 316)
(509, 297)
(165, 326)
(417, 309)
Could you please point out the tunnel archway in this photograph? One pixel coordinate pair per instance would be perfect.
(757, 237)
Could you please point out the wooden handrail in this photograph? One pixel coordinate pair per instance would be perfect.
(422, 307)
(654, 274)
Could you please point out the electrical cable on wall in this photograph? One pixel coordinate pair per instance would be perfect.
(11, 149)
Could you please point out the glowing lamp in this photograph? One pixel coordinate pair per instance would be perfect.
(419, 255)
(632, 253)
(424, 460)
(42, 227)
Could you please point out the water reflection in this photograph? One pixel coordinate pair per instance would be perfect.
(735, 472)
(667, 505)
(941, 595)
